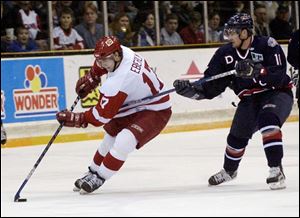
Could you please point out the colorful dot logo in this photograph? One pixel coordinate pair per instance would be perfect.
(35, 78)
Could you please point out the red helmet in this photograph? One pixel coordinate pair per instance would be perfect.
(106, 46)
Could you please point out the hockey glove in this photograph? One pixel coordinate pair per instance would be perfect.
(71, 119)
(86, 84)
(185, 88)
(247, 69)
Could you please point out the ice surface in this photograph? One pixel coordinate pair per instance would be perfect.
(167, 177)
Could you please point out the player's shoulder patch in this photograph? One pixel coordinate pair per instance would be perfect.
(272, 42)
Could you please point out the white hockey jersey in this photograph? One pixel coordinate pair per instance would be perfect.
(30, 21)
(71, 38)
(131, 81)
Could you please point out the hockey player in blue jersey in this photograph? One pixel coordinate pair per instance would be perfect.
(264, 89)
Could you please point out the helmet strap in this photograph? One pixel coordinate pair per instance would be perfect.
(243, 40)
(117, 63)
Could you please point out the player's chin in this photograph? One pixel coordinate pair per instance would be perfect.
(109, 69)
(235, 45)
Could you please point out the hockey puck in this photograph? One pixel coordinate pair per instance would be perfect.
(21, 200)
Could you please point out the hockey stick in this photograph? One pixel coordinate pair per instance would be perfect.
(201, 81)
(17, 196)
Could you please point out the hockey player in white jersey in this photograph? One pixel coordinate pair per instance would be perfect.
(128, 126)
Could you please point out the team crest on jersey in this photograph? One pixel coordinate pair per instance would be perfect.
(257, 57)
(272, 42)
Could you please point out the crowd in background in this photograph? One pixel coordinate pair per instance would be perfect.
(79, 24)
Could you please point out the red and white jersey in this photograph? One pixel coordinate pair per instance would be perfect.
(31, 21)
(131, 81)
(67, 38)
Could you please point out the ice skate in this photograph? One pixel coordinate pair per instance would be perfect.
(78, 183)
(276, 179)
(94, 182)
(222, 176)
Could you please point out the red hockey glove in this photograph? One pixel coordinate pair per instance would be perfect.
(71, 119)
(86, 84)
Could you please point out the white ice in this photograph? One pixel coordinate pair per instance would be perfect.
(167, 177)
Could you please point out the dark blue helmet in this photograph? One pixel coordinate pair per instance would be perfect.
(239, 22)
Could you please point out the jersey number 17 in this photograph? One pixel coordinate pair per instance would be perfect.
(150, 78)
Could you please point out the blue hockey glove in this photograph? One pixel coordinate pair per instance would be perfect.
(248, 69)
(185, 88)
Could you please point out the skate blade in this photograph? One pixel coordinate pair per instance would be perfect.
(83, 192)
(277, 185)
(75, 189)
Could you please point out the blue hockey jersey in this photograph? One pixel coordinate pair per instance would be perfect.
(264, 50)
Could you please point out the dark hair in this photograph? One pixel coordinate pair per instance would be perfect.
(19, 28)
(212, 14)
(171, 17)
(282, 9)
(144, 15)
(257, 6)
(67, 10)
(195, 17)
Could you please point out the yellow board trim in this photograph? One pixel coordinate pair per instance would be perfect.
(40, 140)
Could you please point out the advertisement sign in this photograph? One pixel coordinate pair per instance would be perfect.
(32, 89)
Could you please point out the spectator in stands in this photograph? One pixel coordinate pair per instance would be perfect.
(182, 9)
(229, 8)
(169, 36)
(6, 27)
(215, 33)
(280, 27)
(164, 10)
(55, 14)
(74, 5)
(117, 7)
(121, 28)
(31, 20)
(89, 30)
(191, 34)
(213, 6)
(41, 8)
(261, 24)
(65, 37)
(147, 34)
(130, 10)
(271, 7)
(23, 43)
(112, 9)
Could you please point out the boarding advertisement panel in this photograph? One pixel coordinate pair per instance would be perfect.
(32, 89)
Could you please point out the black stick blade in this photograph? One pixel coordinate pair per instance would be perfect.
(21, 200)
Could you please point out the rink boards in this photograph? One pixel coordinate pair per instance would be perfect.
(34, 89)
